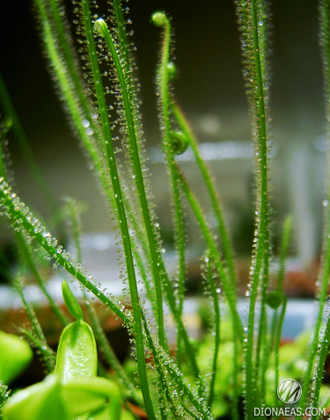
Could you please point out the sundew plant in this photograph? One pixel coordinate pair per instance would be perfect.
(96, 79)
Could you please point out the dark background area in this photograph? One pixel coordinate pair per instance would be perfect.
(210, 83)
(207, 54)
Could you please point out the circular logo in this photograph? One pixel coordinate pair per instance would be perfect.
(289, 391)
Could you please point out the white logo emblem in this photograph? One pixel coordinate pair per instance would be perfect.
(289, 391)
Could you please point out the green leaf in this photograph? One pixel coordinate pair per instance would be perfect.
(89, 394)
(76, 354)
(38, 402)
(71, 302)
(16, 355)
(56, 399)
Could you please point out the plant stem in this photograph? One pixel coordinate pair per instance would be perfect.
(21, 217)
(278, 341)
(73, 94)
(250, 14)
(162, 83)
(76, 116)
(103, 30)
(32, 266)
(278, 319)
(214, 253)
(161, 359)
(38, 339)
(98, 331)
(226, 245)
(216, 331)
(69, 94)
(287, 231)
(123, 225)
(324, 16)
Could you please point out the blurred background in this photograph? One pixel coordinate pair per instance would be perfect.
(210, 90)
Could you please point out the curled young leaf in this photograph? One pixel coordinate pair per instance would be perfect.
(275, 299)
(159, 18)
(171, 70)
(179, 142)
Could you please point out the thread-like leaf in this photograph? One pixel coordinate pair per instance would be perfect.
(169, 146)
(21, 217)
(37, 338)
(319, 341)
(229, 292)
(250, 14)
(100, 336)
(120, 207)
(135, 157)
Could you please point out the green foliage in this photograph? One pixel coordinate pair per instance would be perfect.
(4, 394)
(73, 389)
(71, 302)
(240, 357)
(16, 355)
